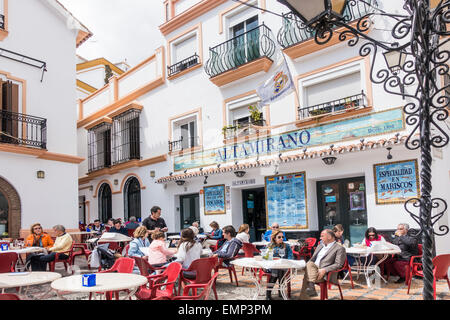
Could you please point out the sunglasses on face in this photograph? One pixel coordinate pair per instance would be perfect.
(279, 237)
(37, 228)
(372, 235)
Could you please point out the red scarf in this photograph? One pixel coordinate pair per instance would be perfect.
(368, 242)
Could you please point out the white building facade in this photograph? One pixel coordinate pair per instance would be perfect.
(176, 131)
(38, 156)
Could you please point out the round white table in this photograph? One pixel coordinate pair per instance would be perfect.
(370, 271)
(104, 282)
(26, 279)
(25, 250)
(257, 262)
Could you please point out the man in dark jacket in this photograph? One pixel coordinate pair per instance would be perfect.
(409, 247)
(118, 228)
(231, 246)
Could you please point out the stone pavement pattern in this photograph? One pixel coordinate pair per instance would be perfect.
(228, 291)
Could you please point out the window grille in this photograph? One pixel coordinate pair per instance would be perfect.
(99, 147)
(126, 137)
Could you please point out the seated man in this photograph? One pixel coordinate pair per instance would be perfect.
(118, 228)
(231, 246)
(409, 247)
(329, 256)
(98, 227)
(132, 224)
(63, 243)
(274, 228)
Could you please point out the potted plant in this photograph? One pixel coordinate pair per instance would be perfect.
(256, 116)
(349, 103)
(227, 129)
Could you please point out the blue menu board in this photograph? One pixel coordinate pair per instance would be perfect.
(396, 182)
(286, 201)
(214, 199)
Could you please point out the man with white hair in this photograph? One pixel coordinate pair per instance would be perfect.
(409, 247)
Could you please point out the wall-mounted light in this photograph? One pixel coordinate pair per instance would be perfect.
(170, 173)
(185, 171)
(40, 174)
(152, 173)
(389, 156)
(329, 160)
(218, 166)
(205, 181)
(91, 188)
(239, 173)
(180, 182)
(116, 182)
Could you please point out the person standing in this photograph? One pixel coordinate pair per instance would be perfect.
(154, 223)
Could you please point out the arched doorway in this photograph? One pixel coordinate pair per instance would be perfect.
(132, 198)
(105, 203)
(10, 210)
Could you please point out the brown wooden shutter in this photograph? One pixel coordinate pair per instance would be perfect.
(15, 108)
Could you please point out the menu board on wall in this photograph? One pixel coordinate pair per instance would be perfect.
(214, 199)
(396, 182)
(286, 201)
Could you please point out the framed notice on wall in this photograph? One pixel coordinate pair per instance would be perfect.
(396, 182)
(214, 197)
(286, 201)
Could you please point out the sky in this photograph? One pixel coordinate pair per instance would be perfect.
(123, 29)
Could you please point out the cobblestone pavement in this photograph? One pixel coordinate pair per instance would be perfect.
(246, 289)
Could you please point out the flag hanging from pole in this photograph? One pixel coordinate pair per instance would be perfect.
(277, 86)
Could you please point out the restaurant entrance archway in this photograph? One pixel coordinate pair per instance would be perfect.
(10, 210)
(254, 211)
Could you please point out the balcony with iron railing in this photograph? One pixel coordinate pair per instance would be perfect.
(183, 65)
(295, 33)
(337, 106)
(242, 129)
(241, 56)
(183, 144)
(23, 130)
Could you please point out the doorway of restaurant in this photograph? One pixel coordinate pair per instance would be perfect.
(254, 211)
(343, 202)
(189, 209)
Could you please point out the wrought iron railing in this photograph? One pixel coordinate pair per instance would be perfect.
(249, 46)
(340, 105)
(183, 65)
(294, 30)
(99, 147)
(2, 21)
(242, 129)
(126, 141)
(23, 130)
(181, 144)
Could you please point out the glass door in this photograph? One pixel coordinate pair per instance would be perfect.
(189, 210)
(343, 202)
(254, 210)
(245, 46)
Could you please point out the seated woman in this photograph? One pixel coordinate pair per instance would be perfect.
(157, 253)
(140, 241)
(283, 251)
(188, 250)
(242, 234)
(371, 236)
(63, 243)
(38, 238)
(215, 236)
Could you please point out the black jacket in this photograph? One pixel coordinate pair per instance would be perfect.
(408, 245)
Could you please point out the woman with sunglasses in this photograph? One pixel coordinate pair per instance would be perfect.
(38, 238)
(281, 250)
(371, 236)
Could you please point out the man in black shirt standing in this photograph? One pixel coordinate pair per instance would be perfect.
(154, 222)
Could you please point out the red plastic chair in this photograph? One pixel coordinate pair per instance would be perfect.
(231, 270)
(347, 268)
(80, 249)
(166, 279)
(218, 244)
(249, 252)
(441, 264)
(204, 295)
(414, 268)
(202, 268)
(58, 258)
(8, 261)
(131, 233)
(305, 251)
(145, 268)
(121, 265)
(326, 283)
(9, 296)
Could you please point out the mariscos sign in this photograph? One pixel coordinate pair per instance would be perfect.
(373, 124)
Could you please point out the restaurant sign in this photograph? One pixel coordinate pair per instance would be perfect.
(350, 129)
